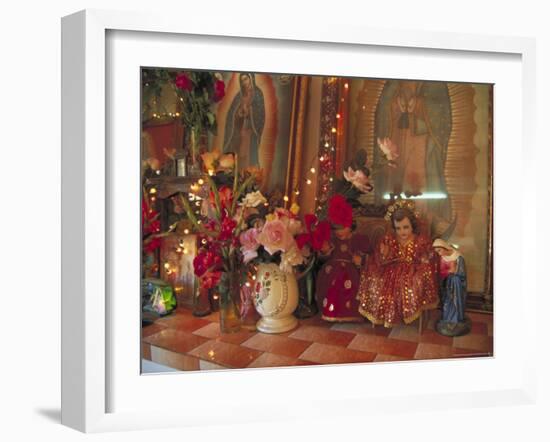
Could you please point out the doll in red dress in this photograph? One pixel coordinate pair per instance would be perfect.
(338, 279)
(400, 281)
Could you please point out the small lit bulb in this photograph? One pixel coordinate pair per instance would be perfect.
(179, 250)
(312, 170)
(308, 182)
(185, 251)
(247, 284)
(326, 144)
(333, 130)
(266, 204)
(186, 231)
(204, 241)
(331, 179)
(166, 265)
(158, 172)
(200, 181)
(338, 116)
(254, 277)
(154, 115)
(210, 172)
(346, 85)
(215, 296)
(297, 192)
(153, 190)
(153, 199)
(198, 203)
(285, 198)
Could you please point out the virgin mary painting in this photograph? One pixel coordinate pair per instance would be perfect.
(416, 117)
(245, 122)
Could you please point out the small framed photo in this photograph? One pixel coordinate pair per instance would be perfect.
(246, 222)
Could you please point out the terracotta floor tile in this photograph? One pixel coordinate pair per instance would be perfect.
(145, 351)
(433, 351)
(364, 328)
(322, 335)
(175, 360)
(479, 328)
(387, 358)
(184, 322)
(280, 345)
(480, 317)
(151, 329)
(432, 337)
(332, 354)
(175, 340)
(476, 342)
(274, 360)
(405, 332)
(387, 346)
(212, 331)
(223, 353)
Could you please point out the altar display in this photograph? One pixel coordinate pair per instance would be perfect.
(292, 220)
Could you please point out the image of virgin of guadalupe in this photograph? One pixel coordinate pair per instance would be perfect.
(245, 122)
(416, 117)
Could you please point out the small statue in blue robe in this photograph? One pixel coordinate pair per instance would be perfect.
(453, 290)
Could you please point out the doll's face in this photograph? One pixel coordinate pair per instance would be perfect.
(344, 233)
(403, 228)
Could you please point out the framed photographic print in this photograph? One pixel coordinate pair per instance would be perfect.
(242, 217)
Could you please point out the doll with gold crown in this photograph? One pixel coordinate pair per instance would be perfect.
(452, 277)
(400, 281)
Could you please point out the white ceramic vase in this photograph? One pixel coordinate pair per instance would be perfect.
(275, 299)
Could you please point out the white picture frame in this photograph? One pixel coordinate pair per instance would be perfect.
(89, 219)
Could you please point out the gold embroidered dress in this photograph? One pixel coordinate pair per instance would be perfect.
(399, 285)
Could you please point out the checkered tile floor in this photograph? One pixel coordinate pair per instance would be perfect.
(184, 342)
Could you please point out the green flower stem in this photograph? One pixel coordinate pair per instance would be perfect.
(218, 207)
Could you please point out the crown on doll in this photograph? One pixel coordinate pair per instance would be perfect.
(401, 204)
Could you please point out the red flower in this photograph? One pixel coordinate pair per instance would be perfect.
(228, 224)
(219, 90)
(320, 235)
(210, 280)
(303, 239)
(226, 197)
(152, 245)
(184, 82)
(205, 262)
(339, 211)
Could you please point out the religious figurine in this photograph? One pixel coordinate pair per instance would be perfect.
(338, 278)
(400, 281)
(453, 292)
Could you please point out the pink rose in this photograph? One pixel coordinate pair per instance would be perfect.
(275, 237)
(249, 244)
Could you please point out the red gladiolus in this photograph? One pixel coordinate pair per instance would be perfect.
(226, 197)
(184, 82)
(339, 211)
(219, 90)
(228, 224)
(210, 280)
(152, 245)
